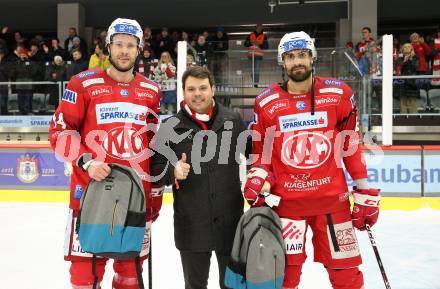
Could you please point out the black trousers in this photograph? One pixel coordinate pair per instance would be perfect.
(196, 269)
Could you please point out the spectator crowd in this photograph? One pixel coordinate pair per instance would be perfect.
(416, 55)
(41, 59)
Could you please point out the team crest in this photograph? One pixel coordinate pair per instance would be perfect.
(27, 169)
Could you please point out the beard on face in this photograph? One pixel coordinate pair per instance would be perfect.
(119, 68)
(299, 76)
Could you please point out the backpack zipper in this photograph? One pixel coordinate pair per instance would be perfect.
(133, 183)
(275, 273)
(113, 218)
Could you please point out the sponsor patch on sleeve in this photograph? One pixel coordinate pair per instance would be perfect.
(268, 99)
(91, 81)
(331, 90)
(264, 93)
(276, 106)
(143, 94)
(86, 74)
(100, 90)
(326, 100)
(149, 86)
(69, 96)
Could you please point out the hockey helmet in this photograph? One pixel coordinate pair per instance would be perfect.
(295, 40)
(125, 26)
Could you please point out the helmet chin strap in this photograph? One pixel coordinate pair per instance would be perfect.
(312, 96)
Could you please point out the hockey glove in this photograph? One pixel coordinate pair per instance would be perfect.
(366, 207)
(156, 200)
(258, 184)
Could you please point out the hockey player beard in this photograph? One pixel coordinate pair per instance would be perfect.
(119, 68)
(299, 75)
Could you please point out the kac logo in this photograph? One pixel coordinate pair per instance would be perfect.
(300, 105)
(306, 150)
(123, 143)
(124, 92)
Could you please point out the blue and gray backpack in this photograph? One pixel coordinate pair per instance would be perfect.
(257, 258)
(112, 216)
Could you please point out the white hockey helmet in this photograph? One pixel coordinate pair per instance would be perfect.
(295, 40)
(125, 26)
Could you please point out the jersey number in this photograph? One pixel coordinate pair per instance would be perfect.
(60, 120)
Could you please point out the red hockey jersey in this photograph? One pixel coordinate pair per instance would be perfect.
(304, 151)
(107, 119)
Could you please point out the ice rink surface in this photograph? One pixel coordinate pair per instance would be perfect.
(32, 235)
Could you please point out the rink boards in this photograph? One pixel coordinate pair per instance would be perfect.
(387, 203)
(408, 176)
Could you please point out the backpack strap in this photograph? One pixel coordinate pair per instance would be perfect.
(150, 266)
(95, 277)
(139, 272)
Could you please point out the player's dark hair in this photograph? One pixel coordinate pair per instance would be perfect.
(198, 72)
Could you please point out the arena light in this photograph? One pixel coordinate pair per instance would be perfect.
(272, 4)
(301, 2)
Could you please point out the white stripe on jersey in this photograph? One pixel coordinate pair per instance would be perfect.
(268, 99)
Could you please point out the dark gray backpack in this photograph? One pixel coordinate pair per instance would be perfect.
(257, 258)
(112, 216)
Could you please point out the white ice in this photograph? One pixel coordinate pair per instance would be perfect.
(32, 234)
